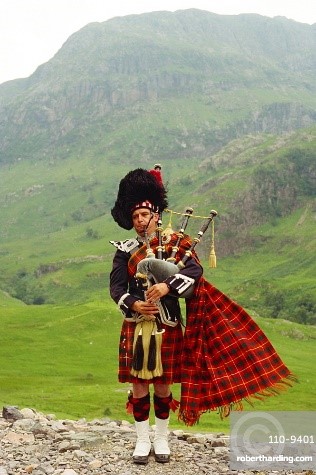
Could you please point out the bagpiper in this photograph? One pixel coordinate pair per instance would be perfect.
(220, 356)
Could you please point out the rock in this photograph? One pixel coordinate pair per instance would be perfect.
(18, 438)
(196, 439)
(28, 413)
(58, 426)
(218, 443)
(125, 424)
(30, 468)
(94, 464)
(24, 424)
(51, 417)
(63, 446)
(11, 413)
(39, 445)
(81, 454)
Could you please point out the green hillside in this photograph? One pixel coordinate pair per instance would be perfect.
(55, 224)
(63, 359)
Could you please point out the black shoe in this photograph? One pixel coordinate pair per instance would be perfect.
(140, 459)
(162, 458)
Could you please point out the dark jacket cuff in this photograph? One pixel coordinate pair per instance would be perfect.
(125, 303)
(179, 283)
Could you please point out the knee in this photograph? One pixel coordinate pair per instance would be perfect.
(162, 390)
(140, 390)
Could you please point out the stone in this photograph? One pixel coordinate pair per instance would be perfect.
(218, 443)
(30, 468)
(81, 454)
(38, 445)
(11, 413)
(18, 438)
(94, 464)
(51, 417)
(196, 439)
(28, 413)
(24, 424)
(58, 426)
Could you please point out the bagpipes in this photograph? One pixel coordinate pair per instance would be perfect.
(148, 333)
(197, 239)
(188, 212)
(154, 269)
(175, 248)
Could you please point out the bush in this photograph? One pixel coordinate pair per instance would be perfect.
(92, 234)
(305, 310)
(274, 300)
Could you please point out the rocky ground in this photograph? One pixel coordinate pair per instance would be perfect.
(38, 444)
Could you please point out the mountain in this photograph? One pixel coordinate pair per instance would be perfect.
(197, 78)
(227, 104)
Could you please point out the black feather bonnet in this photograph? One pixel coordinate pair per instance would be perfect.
(139, 189)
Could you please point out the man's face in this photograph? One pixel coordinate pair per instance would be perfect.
(141, 217)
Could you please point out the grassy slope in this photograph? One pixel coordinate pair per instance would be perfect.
(37, 224)
(46, 209)
(285, 262)
(63, 359)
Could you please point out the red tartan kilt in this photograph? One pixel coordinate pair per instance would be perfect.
(171, 348)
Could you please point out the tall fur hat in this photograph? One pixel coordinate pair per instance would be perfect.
(138, 189)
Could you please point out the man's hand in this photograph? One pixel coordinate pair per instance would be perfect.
(156, 291)
(145, 308)
(153, 294)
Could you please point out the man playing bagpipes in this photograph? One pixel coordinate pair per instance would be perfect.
(222, 357)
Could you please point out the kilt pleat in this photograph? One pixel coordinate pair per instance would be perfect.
(171, 348)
